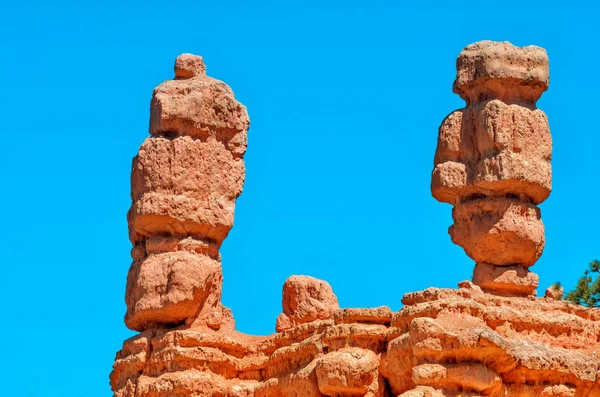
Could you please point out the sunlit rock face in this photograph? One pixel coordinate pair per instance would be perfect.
(490, 337)
(184, 183)
(492, 161)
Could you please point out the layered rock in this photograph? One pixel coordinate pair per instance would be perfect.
(444, 342)
(491, 337)
(305, 299)
(493, 162)
(184, 182)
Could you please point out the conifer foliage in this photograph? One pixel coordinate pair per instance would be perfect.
(587, 290)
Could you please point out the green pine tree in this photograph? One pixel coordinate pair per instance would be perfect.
(587, 290)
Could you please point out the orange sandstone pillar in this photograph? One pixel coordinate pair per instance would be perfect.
(492, 163)
(184, 183)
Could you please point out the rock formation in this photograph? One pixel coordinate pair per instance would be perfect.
(487, 338)
(184, 182)
(305, 299)
(493, 163)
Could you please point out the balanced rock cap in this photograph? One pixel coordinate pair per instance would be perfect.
(500, 70)
(188, 66)
(196, 105)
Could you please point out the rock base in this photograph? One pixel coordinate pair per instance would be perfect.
(444, 342)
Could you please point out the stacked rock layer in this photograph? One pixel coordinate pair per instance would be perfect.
(184, 182)
(477, 340)
(493, 163)
(444, 342)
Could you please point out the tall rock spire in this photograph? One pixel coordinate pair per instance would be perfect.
(493, 163)
(184, 183)
(492, 339)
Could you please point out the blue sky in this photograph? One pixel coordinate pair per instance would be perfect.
(345, 100)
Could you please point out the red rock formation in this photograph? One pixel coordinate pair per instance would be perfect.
(184, 182)
(493, 163)
(491, 339)
(305, 299)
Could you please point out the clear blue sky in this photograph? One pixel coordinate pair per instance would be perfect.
(345, 101)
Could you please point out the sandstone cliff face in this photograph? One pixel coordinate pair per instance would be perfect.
(491, 337)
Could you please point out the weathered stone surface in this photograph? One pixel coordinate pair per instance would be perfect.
(305, 299)
(170, 288)
(184, 186)
(188, 66)
(376, 315)
(499, 230)
(446, 341)
(347, 372)
(512, 280)
(490, 337)
(489, 69)
(493, 149)
(199, 106)
(492, 161)
(184, 183)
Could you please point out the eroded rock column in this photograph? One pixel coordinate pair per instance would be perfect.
(184, 183)
(493, 163)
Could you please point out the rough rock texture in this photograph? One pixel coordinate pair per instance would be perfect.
(349, 371)
(492, 339)
(493, 158)
(305, 299)
(444, 342)
(184, 182)
(505, 280)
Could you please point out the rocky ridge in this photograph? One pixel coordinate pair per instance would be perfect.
(489, 337)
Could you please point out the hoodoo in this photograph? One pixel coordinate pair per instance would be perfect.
(490, 337)
(184, 182)
(493, 163)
